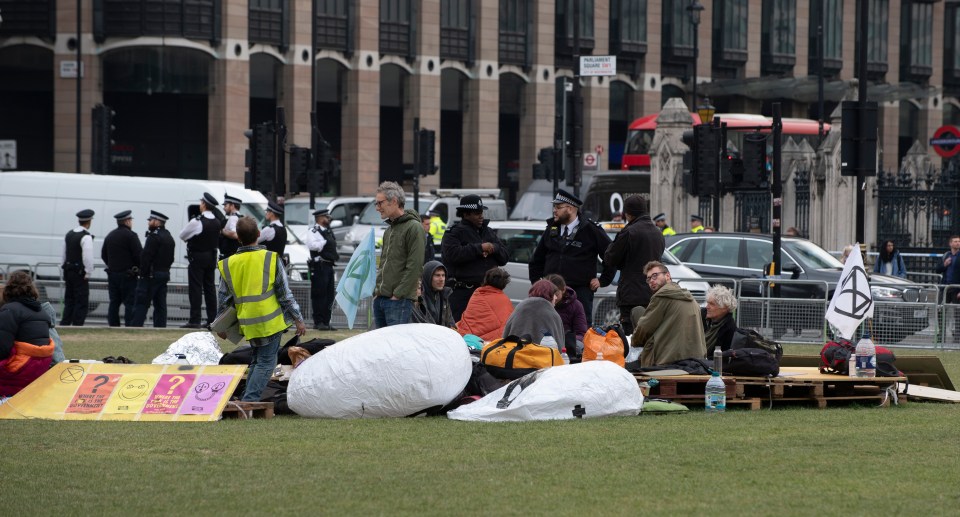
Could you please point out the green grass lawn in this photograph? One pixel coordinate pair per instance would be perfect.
(786, 461)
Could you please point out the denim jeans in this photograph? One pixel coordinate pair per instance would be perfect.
(387, 312)
(261, 369)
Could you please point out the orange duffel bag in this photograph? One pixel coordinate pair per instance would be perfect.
(608, 341)
(513, 357)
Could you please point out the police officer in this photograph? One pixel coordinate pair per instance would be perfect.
(469, 249)
(437, 227)
(202, 235)
(154, 272)
(696, 223)
(569, 247)
(228, 235)
(77, 260)
(323, 256)
(121, 253)
(661, 221)
(273, 235)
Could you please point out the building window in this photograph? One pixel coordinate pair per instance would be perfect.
(730, 33)
(916, 40)
(564, 21)
(951, 45)
(628, 27)
(832, 35)
(267, 22)
(514, 27)
(199, 19)
(33, 18)
(455, 37)
(333, 25)
(779, 36)
(877, 37)
(395, 27)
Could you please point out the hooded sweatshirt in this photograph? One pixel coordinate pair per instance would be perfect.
(670, 329)
(533, 318)
(401, 260)
(572, 315)
(433, 306)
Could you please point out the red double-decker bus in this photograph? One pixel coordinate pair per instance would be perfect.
(636, 152)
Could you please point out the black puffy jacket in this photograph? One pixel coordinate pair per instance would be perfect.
(22, 319)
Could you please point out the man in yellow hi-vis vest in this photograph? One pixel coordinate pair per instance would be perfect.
(254, 282)
(437, 227)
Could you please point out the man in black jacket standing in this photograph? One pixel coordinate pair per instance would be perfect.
(638, 243)
(469, 249)
(569, 247)
(121, 253)
(202, 235)
(323, 256)
(155, 264)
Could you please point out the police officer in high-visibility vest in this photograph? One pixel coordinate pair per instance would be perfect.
(323, 256)
(254, 282)
(437, 227)
(696, 224)
(661, 221)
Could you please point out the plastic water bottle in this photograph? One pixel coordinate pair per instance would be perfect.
(181, 359)
(548, 340)
(852, 365)
(718, 360)
(599, 355)
(866, 358)
(564, 356)
(715, 395)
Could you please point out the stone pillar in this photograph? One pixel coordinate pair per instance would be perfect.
(425, 87)
(650, 93)
(65, 90)
(538, 108)
(360, 148)
(295, 93)
(754, 28)
(934, 105)
(228, 114)
(795, 157)
(481, 117)
(666, 165)
(837, 212)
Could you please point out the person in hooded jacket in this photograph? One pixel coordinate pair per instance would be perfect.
(571, 314)
(537, 315)
(669, 329)
(401, 258)
(489, 308)
(26, 348)
(433, 304)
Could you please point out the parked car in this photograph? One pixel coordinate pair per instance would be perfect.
(521, 239)
(344, 212)
(747, 255)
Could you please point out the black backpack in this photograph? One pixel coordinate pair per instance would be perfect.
(748, 338)
(750, 362)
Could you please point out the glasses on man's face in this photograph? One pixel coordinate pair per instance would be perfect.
(380, 203)
(653, 276)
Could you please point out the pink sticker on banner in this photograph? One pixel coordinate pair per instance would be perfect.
(169, 393)
(205, 395)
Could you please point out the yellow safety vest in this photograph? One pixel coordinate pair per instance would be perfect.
(697, 229)
(668, 231)
(437, 229)
(250, 277)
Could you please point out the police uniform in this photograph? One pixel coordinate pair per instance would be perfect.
(437, 227)
(77, 260)
(666, 230)
(228, 245)
(155, 264)
(571, 251)
(121, 253)
(462, 255)
(323, 256)
(202, 235)
(696, 224)
(273, 235)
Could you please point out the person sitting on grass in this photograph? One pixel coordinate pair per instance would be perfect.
(571, 313)
(433, 300)
(669, 330)
(26, 348)
(537, 315)
(718, 323)
(489, 307)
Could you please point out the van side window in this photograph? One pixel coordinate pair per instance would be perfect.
(339, 213)
(193, 211)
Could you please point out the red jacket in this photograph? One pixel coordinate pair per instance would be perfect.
(486, 314)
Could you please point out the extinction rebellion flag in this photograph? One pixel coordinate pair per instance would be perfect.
(852, 301)
(358, 279)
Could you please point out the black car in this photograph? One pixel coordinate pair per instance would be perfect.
(744, 256)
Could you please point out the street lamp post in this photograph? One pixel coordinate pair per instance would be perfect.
(695, 9)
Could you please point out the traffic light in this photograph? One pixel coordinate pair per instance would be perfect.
(707, 157)
(858, 138)
(754, 160)
(264, 156)
(299, 168)
(102, 139)
(545, 168)
(689, 164)
(427, 142)
(327, 167)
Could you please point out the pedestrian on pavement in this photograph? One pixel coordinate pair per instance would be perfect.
(323, 257)
(949, 267)
(569, 247)
(155, 264)
(77, 260)
(470, 248)
(202, 235)
(661, 221)
(890, 262)
(121, 253)
(228, 235)
(254, 282)
(429, 251)
(637, 244)
(401, 258)
(696, 224)
(273, 236)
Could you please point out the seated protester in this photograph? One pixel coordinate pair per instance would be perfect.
(433, 299)
(489, 308)
(26, 349)
(670, 328)
(537, 315)
(718, 323)
(571, 314)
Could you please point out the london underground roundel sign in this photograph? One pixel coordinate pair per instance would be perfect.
(946, 141)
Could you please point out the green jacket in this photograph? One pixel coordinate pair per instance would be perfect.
(670, 328)
(401, 257)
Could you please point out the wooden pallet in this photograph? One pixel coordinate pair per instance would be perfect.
(245, 410)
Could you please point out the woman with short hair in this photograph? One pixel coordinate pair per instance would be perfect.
(537, 315)
(718, 323)
(26, 349)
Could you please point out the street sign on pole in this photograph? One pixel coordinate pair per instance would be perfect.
(598, 65)
(946, 141)
(590, 161)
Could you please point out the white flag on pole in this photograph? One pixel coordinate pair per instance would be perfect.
(852, 300)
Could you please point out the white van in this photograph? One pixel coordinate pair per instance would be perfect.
(37, 209)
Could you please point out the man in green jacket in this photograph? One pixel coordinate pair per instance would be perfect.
(401, 258)
(670, 328)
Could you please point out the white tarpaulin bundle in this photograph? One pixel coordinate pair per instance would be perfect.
(390, 372)
(199, 347)
(585, 390)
